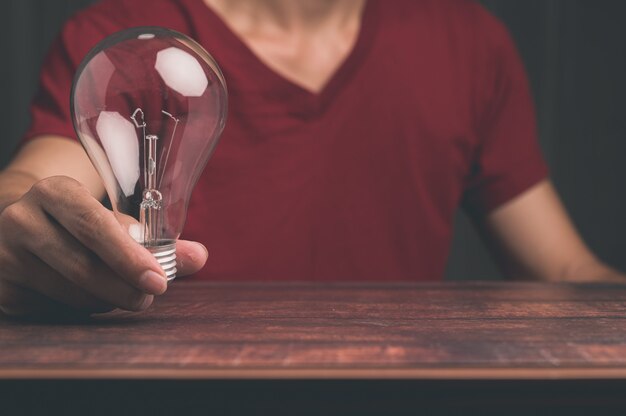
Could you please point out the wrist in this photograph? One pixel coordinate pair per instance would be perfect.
(593, 271)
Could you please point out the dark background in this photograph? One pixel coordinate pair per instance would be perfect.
(575, 55)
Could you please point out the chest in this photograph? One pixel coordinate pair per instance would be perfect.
(392, 118)
(307, 60)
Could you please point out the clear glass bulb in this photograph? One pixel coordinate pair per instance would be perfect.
(149, 105)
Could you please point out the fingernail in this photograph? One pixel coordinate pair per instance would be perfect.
(153, 282)
(206, 251)
(145, 304)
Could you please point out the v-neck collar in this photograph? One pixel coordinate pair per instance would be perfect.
(266, 85)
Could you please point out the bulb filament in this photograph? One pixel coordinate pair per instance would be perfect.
(151, 214)
(151, 207)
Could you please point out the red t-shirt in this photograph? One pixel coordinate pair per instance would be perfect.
(431, 110)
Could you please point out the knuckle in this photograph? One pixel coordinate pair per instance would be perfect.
(45, 188)
(79, 266)
(15, 216)
(55, 187)
(91, 216)
(91, 223)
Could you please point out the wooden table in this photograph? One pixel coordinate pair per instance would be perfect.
(344, 347)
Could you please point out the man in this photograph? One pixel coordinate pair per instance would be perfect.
(356, 129)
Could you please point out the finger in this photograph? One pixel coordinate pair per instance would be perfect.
(42, 279)
(52, 247)
(96, 227)
(190, 257)
(19, 302)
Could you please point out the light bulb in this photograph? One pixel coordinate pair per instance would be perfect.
(149, 105)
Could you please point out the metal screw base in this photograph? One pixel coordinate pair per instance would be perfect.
(166, 256)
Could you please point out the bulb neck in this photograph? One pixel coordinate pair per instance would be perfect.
(166, 256)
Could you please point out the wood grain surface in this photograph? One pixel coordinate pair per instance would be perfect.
(199, 330)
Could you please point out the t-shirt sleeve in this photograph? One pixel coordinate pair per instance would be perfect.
(50, 107)
(508, 160)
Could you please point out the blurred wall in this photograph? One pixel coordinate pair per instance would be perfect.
(575, 54)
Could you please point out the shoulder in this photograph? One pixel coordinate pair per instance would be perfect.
(467, 11)
(86, 28)
(463, 31)
(463, 19)
(127, 13)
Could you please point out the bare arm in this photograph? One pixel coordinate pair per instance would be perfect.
(45, 157)
(60, 249)
(535, 238)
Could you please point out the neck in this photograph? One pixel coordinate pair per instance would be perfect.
(289, 15)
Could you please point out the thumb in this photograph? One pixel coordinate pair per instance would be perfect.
(190, 257)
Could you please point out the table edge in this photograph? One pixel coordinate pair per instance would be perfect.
(468, 373)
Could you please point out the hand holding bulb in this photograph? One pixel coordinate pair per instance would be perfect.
(60, 249)
(149, 105)
(53, 264)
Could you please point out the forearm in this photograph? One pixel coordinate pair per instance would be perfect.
(534, 238)
(45, 157)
